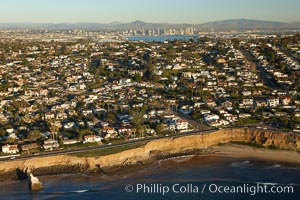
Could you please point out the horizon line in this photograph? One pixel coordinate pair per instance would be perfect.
(144, 21)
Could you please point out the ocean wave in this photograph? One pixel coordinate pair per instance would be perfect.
(183, 158)
(80, 191)
(293, 184)
(177, 158)
(277, 166)
(240, 164)
(262, 183)
(273, 166)
(292, 168)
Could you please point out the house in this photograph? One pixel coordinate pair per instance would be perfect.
(247, 102)
(70, 141)
(246, 93)
(108, 130)
(273, 102)
(244, 115)
(230, 117)
(215, 123)
(210, 118)
(10, 149)
(227, 104)
(91, 138)
(286, 100)
(211, 103)
(125, 130)
(296, 128)
(198, 104)
(203, 112)
(224, 122)
(50, 144)
(82, 86)
(261, 103)
(49, 115)
(171, 126)
(221, 60)
(182, 124)
(26, 147)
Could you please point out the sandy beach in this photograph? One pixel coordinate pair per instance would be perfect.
(243, 151)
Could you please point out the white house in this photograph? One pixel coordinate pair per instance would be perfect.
(182, 124)
(50, 144)
(209, 118)
(244, 115)
(203, 112)
(11, 149)
(70, 141)
(91, 138)
(247, 102)
(273, 102)
(82, 86)
(246, 93)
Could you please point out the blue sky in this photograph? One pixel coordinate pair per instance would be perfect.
(173, 11)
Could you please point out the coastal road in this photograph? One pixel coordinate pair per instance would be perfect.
(266, 78)
(86, 149)
(263, 74)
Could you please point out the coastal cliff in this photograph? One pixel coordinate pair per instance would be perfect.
(154, 150)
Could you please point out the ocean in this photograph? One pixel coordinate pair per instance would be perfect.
(180, 178)
(162, 38)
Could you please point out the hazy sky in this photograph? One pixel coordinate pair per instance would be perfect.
(174, 11)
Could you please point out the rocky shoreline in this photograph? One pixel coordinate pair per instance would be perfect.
(148, 154)
(83, 168)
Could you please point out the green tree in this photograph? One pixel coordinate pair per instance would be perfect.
(297, 82)
(10, 140)
(2, 132)
(110, 116)
(160, 128)
(83, 132)
(137, 77)
(3, 59)
(138, 119)
(33, 135)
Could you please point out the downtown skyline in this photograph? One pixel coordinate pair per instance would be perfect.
(167, 11)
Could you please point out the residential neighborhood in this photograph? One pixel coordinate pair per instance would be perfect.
(75, 92)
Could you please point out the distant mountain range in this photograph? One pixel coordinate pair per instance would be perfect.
(230, 24)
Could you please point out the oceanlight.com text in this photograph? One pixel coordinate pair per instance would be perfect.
(212, 188)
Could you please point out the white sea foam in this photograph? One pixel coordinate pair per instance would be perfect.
(293, 184)
(240, 164)
(262, 183)
(80, 191)
(273, 166)
(183, 158)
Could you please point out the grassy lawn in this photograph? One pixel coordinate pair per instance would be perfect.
(107, 151)
(115, 141)
(79, 145)
(30, 152)
(4, 154)
(247, 121)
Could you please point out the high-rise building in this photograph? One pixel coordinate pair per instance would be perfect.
(189, 31)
